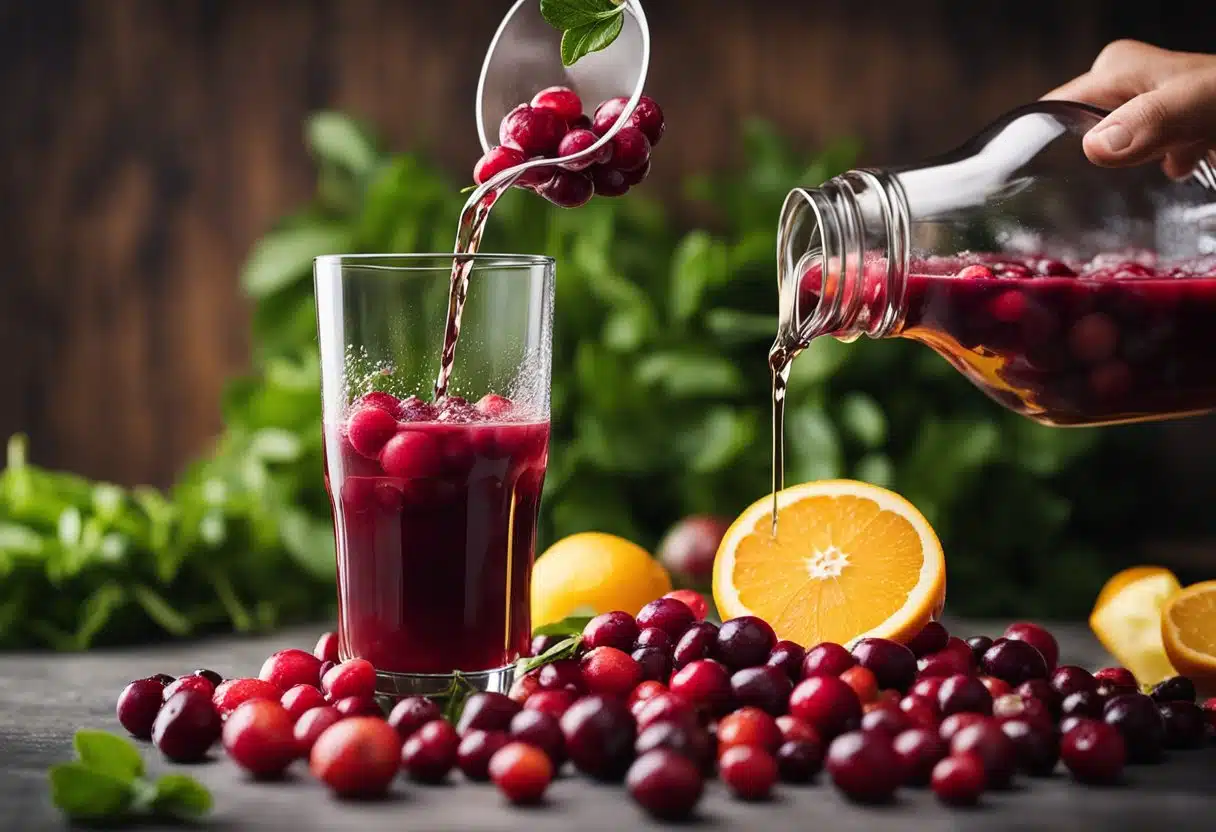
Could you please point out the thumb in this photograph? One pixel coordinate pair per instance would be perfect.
(1181, 112)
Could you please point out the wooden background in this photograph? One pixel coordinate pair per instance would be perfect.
(146, 143)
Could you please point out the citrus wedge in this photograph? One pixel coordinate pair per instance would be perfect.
(849, 560)
(594, 572)
(1188, 630)
(1127, 620)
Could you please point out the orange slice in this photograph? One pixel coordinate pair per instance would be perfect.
(849, 560)
(1127, 620)
(1188, 630)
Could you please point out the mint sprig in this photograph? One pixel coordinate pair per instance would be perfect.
(586, 25)
(107, 783)
(564, 649)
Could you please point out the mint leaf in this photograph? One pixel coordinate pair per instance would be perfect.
(87, 793)
(457, 694)
(570, 14)
(568, 626)
(180, 796)
(109, 754)
(562, 650)
(591, 37)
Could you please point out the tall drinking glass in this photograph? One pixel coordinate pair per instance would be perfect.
(434, 501)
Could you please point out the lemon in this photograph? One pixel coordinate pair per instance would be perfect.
(593, 571)
(1127, 620)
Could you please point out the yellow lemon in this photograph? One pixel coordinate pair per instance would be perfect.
(596, 572)
(1127, 620)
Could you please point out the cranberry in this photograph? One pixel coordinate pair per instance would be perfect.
(749, 726)
(826, 659)
(864, 766)
(1119, 677)
(358, 706)
(494, 162)
(541, 644)
(986, 740)
(890, 721)
(979, 646)
(551, 702)
(1209, 710)
(1041, 691)
(1054, 268)
(610, 672)
(524, 686)
(920, 711)
(138, 705)
(612, 629)
(666, 707)
(356, 757)
(609, 182)
(787, 656)
(959, 780)
(665, 783)
(198, 684)
(928, 686)
(647, 116)
(667, 614)
(486, 711)
(863, 683)
(1014, 661)
(475, 750)
(919, 750)
(186, 727)
(692, 599)
(944, 663)
(1013, 706)
(1185, 726)
(312, 725)
(210, 675)
(654, 637)
(563, 674)
(1094, 752)
(259, 736)
(163, 678)
(410, 454)
(689, 548)
(1138, 720)
(954, 723)
(764, 687)
(568, 189)
(1082, 703)
(429, 754)
(561, 100)
(535, 131)
(630, 149)
(1038, 638)
(607, 113)
(931, 638)
(411, 713)
(522, 772)
(356, 677)
(327, 647)
(828, 704)
(748, 772)
(576, 141)
(697, 643)
(599, 734)
(654, 664)
(1069, 679)
(301, 699)
(368, 429)
(643, 693)
(1034, 744)
(799, 761)
(745, 641)
(379, 399)
(705, 684)
(414, 409)
(1174, 689)
(325, 668)
(684, 739)
(959, 694)
(541, 730)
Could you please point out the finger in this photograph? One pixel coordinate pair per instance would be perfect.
(1106, 91)
(1122, 70)
(1178, 114)
(1181, 162)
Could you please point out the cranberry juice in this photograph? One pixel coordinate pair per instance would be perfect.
(435, 510)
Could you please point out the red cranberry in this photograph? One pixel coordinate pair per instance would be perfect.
(863, 683)
(327, 648)
(654, 637)
(748, 772)
(414, 409)
(787, 656)
(986, 740)
(1138, 720)
(609, 182)
(410, 454)
(1042, 692)
(978, 646)
(764, 687)
(692, 599)
(828, 704)
(611, 629)
(576, 141)
(369, 428)
(494, 162)
(411, 713)
(1013, 706)
(864, 766)
(665, 783)
(1117, 676)
(475, 750)
(745, 641)
(1185, 725)
(486, 711)
(689, 548)
(1038, 638)
(1034, 745)
(163, 678)
(535, 131)
(794, 729)
(931, 638)
(494, 406)
(561, 100)
(379, 399)
(1082, 703)
(666, 707)
(705, 684)
(522, 772)
(927, 686)
(699, 642)
(919, 750)
(920, 711)
(138, 705)
(540, 730)
(959, 780)
(599, 734)
(610, 672)
(195, 683)
(301, 699)
(944, 663)
(655, 664)
(356, 677)
(667, 614)
(1174, 689)
(563, 674)
(826, 659)
(1094, 752)
(607, 114)
(799, 761)
(259, 737)
(429, 754)
(749, 726)
(325, 668)
(568, 189)
(215, 678)
(630, 149)
(541, 644)
(890, 721)
(1014, 661)
(551, 702)
(959, 694)
(644, 692)
(647, 116)
(524, 686)
(356, 757)
(358, 706)
(311, 725)
(186, 727)
(954, 723)
(682, 738)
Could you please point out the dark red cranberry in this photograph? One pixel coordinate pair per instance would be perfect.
(697, 643)
(655, 664)
(1038, 638)
(259, 737)
(1138, 720)
(963, 694)
(666, 707)
(535, 131)
(522, 772)
(654, 637)
(920, 711)
(1014, 661)
(749, 726)
(542, 731)
(765, 687)
(689, 547)
(567, 189)
(1185, 726)
(327, 648)
(997, 687)
(890, 721)
(301, 699)
(609, 182)
(210, 675)
(959, 780)
(1067, 723)
(1068, 679)
(487, 711)
(368, 429)
(986, 740)
(1082, 703)
(667, 614)
(356, 677)
(1054, 268)
(864, 766)
(186, 727)
(931, 638)
(356, 757)
(1174, 689)
(551, 702)
(944, 663)
(643, 693)
(630, 149)
(1040, 691)
(475, 750)
(787, 656)
(138, 705)
(1119, 677)
(681, 737)
(1209, 711)
(576, 141)
(1014, 706)
(665, 783)
(312, 725)
(607, 114)
(524, 686)
(979, 646)
(704, 683)
(163, 678)
(1094, 752)
(599, 734)
(564, 674)
(799, 761)
(928, 686)
(349, 706)
(429, 754)
(561, 100)
(919, 750)
(494, 162)
(828, 704)
(541, 644)
(748, 772)
(798, 730)
(647, 116)
(198, 684)
(893, 664)
(610, 672)
(692, 599)
(411, 713)
(954, 723)
(826, 659)
(745, 641)
(611, 629)
(1034, 743)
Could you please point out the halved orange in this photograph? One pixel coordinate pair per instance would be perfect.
(849, 560)
(1188, 630)
(1127, 620)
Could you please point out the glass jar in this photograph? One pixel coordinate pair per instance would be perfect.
(1069, 293)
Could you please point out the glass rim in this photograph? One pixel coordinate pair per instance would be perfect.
(423, 261)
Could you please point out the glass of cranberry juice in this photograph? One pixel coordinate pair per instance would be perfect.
(435, 496)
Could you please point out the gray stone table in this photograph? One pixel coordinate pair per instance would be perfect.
(44, 698)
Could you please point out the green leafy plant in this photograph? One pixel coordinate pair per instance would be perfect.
(586, 25)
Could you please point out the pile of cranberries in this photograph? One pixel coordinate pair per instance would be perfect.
(663, 699)
(553, 125)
